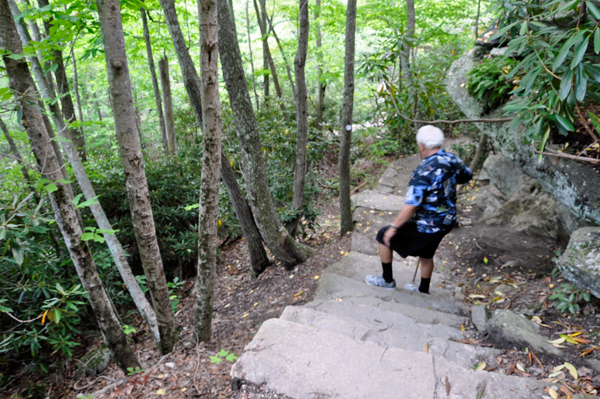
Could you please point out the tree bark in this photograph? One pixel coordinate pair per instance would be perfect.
(258, 257)
(477, 19)
(321, 85)
(265, 49)
(347, 108)
(251, 58)
(165, 83)
(275, 236)
(301, 118)
(76, 88)
(157, 99)
(62, 83)
(21, 84)
(410, 31)
(98, 110)
(133, 164)
(287, 66)
(211, 168)
(191, 81)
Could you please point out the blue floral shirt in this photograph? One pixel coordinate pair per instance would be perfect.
(432, 189)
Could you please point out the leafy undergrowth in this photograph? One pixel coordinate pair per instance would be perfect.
(504, 269)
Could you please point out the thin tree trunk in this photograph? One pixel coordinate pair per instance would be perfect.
(76, 88)
(20, 81)
(250, 50)
(165, 83)
(480, 147)
(211, 168)
(98, 110)
(258, 257)
(265, 49)
(301, 118)
(133, 164)
(477, 20)
(321, 85)
(287, 66)
(157, 99)
(67, 107)
(191, 81)
(347, 108)
(282, 245)
(265, 32)
(410, 31)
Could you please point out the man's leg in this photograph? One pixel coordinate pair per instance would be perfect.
(385, 254)
(426, 272)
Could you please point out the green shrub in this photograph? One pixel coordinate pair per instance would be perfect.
(489, 82)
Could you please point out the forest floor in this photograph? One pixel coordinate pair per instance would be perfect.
(481, 258)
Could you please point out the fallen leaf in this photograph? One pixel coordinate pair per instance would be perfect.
(572, 370)
(485, 260)
(481, 366)
(553, 393)
(316, 277)
(427, 347)
(300, 293)
(520, 367)
(161, 391)
(245, 315)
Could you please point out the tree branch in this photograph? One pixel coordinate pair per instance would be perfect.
(561, 155)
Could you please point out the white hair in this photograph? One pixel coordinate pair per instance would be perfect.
(430, 136)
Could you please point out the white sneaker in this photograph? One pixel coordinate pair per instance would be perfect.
(411, 287)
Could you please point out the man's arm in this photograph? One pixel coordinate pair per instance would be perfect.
(464, 174)
(403, 216)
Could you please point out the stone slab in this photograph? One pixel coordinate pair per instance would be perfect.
(332, 286)
(467, 384)
(395, 179)
(370, 199)
(379, 318)
(357, 265)
(480, 315)
(419, 315)
(381, 333)
(306, 363)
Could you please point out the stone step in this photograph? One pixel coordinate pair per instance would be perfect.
(408, 337)
(333, 286)
(357, 265)
(304, 362)
(386, 311)
(396, 177)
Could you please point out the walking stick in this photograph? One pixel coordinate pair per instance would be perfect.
(415, 275)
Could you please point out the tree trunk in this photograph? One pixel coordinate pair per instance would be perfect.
(211, 168)
(98, 110)
(265, 33)
(287, 66)
(157, 99)
(347, 108)
(301, 117)
(66, 102)
(321, 85)
(191, 81)
(480, 147)
(250, 50)
(20, 81)
(477, 20)
(133, 164)
(275, 236)
(136, 109)
(165, 84)
(410, 31)
(258, 257)
(76, 88)
(265, 49)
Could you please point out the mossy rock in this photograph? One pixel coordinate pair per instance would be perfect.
(94, 363)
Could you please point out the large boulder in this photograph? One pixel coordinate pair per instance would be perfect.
(580, 263)
(518, 200)
(571, 183)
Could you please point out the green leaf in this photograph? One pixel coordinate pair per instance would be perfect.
(579, 53)
(60, 289)
(16, 56)
(232, 357)
(523, 29)
(564, 50)
(17, 251)
(593, 9)
(76, 199)
(51, 188)
(57, 316)
(2, 232)
(565, 85)
(564, 123)
(98, 238)
(581, 80)
(597, 41)
(91, 201)
(543, 145)
(223, 353)
(215, 359)
(87, 236)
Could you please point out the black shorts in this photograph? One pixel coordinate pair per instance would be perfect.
(408, 241)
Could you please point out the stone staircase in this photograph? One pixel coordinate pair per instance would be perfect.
(355, 341)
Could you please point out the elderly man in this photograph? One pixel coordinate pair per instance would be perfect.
(429, 212)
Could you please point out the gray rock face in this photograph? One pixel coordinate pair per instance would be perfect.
(517, 199)
(573, 184)
(581, 261)
(509, 330)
